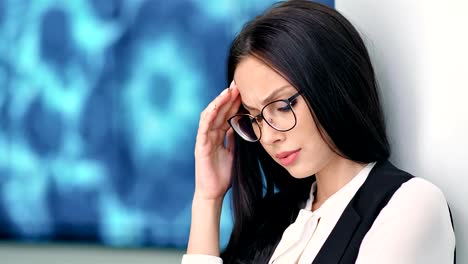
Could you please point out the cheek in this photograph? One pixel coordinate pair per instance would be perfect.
(308, 133)
(305, 123)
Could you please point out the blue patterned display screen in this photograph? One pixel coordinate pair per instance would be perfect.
(99, 107)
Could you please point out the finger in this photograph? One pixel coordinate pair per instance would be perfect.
(232, 111)
(214, 105)
(230, 138)
(223, 112)
(207, 116)
(225, 93)
(222, 103)
(211, 110)
(205, 122)
(221, 99)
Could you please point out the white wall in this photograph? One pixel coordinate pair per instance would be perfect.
(420, 53)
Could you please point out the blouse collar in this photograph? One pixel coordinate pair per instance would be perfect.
(343, 195)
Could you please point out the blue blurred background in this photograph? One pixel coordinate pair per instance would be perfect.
(99, 107)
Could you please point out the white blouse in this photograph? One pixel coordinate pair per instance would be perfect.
(414, 227)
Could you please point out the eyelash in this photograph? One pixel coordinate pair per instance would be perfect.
(289, 107)
(293, 103)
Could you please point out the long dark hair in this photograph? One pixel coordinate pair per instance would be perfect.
(320, 53)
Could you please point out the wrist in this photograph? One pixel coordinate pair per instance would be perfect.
(209, 199)
(200, 199)
(204, 228)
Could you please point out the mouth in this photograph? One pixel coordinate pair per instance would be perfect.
(288, 157)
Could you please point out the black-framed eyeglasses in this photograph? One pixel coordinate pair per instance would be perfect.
(278, 114)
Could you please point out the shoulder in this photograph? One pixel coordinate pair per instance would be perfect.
(414, 225)
(416, 200)
(419, 194)
(404, 190)
(418, 208)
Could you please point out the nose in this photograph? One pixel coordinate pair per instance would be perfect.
(270, 135)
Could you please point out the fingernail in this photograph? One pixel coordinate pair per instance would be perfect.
(225, 91)
(233, 83)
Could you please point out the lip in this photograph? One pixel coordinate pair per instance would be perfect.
(288, 157)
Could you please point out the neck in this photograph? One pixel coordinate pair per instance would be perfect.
(336, 174)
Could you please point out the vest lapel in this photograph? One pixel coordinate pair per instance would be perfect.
(333, 250)
(342, 245)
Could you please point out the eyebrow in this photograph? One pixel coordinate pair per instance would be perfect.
(270, 97)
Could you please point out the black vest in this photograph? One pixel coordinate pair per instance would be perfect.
(342, 245)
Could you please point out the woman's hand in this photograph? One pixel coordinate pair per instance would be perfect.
(213, 159)
(213, 165)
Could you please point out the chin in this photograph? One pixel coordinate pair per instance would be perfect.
(300, 173)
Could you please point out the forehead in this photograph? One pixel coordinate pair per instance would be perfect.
(256, 80)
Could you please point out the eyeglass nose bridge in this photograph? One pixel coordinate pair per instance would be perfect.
(270, 123)
(259, 119)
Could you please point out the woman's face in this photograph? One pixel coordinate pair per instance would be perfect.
(302, 151)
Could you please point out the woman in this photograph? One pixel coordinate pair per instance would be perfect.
(306, 155)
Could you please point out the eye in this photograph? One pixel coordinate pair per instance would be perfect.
(288, 107)
(294, 101)
(284, 109)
